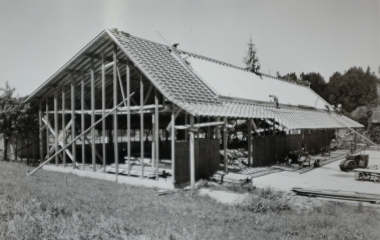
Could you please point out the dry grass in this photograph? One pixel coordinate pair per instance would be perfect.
(41, 207)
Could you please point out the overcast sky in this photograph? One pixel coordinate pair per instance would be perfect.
(40, 36)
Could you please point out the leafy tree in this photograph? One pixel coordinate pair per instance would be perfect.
(16, 118)
(251, 60)
(290, 76)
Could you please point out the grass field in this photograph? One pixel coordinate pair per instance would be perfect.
(42, 207)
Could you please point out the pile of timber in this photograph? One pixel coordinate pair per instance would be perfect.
(223, 177)
(135, 170)
(338, 194)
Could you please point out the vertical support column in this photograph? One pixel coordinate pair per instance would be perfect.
(217, 129)
(93, 114)
(225, 144)
(128, 118)
(153, 140)
(40, 134)
(47, 129)
(249, 138)
(104, 113)
(186, 122)
(156, 131)
(198, 121)
(142, 124)
(115, 128)
(192, 160)
(63, 124)
(173, 143)
(209, 129)
(73, 133)
(82, 120)
(56, 125)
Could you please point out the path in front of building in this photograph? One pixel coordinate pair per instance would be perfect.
(328, 176)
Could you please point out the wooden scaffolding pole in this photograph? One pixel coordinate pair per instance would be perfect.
(40, 132)
(47, 130)
(156, 131)
(63, 124)
(217, 130)
(93, 150)
(153, 140)
(173, 142)
(128, 118)
(249, 138)
(142, 124)
(73, 120)
(192, 160)
(104, 113)
(56, 125)
(186, 122)
(225, 144)
(82, 118)
(115, 127)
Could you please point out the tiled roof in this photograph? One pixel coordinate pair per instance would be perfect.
(164, 68)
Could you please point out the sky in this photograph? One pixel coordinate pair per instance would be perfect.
(40, 36)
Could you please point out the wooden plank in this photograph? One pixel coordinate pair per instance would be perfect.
(191, 152)
(169, 127)
(127, 72)
(63, 124)
(217, 129)
(142, 123)
(115, 127)
(93, 149)
(173, 143)
(47, 131)
(153, 140)
(40, 133)
(56, 124)
(249, 138)
(103, 113)
(73, 120)
(82, 118)
(156, 131)
(121, 85)
(225, 145)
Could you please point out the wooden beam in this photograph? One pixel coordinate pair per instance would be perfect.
(153, 140)
(93, 150)
(148, 94)
(63, 124)
(127, 73)
(115, 127)
(40, 133)
(142, 124)
(73, 121)
(255, 127)
(47, 131)
(173, 142)
(191, 151)
(156, 131)
(249, 138)
(103, 112)
(121, 85)
(56, 124)
(208, 129)
(217, 129)
(82, 118)
(186, 122)
(225, 144)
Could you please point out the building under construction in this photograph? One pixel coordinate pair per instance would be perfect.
(125, 106)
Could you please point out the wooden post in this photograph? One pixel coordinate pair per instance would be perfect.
(40, 135)
(142, 124)
(115, 127)
(93, 150)
(56, 125)
(225, 144)
(186, 122)
(217, 129)
(73, 120)
(249, 138)
(128, 118)
(192, 160)
(82, 119)
(47, 129)
(153, 139)
(63, 124)
(198, 121)
(209, 130)
(173, 143)
(104, 113)
(156, 131)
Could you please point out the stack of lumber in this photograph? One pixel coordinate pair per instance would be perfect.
(222, 177)
(149, 172)
(338, 194)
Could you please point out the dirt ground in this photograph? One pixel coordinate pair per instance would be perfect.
(326, 177)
